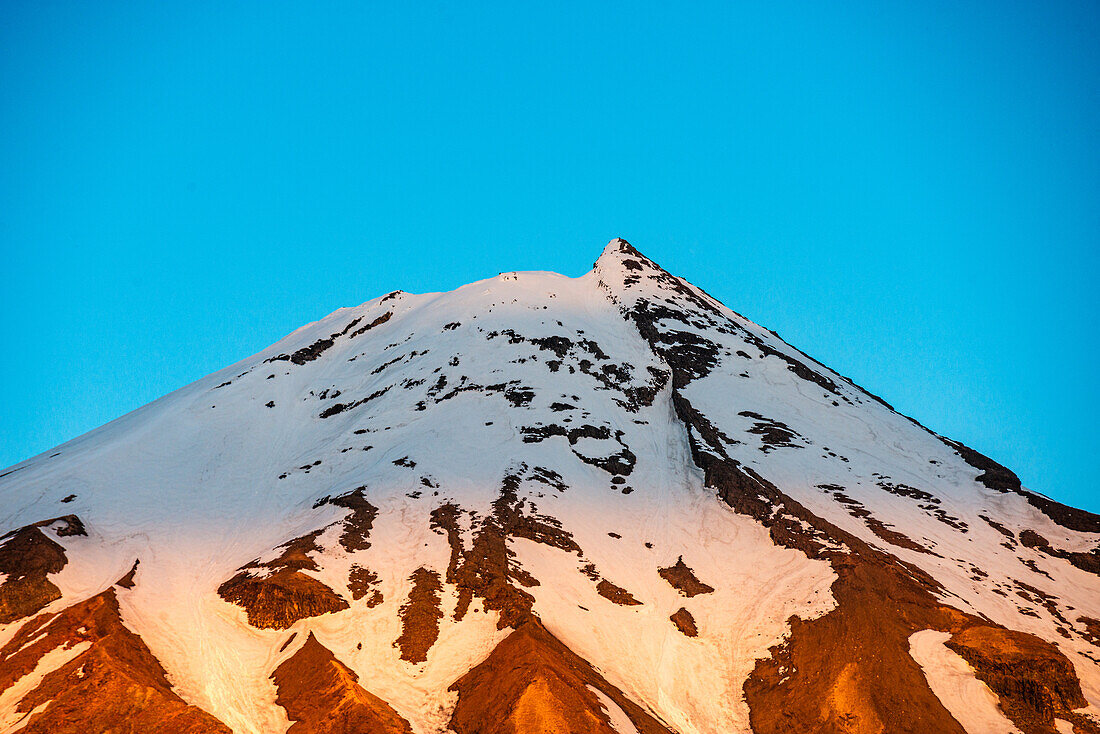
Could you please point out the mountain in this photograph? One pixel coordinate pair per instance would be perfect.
(539, 504)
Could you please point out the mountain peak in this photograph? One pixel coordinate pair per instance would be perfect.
(611, 484)
(621, 264)
(618, 249)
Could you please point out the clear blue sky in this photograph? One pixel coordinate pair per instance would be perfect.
(909, 192)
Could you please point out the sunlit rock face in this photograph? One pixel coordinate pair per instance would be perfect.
(538, 504)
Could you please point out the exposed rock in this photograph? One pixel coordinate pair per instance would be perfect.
(1033, 679)
(1085, 561)
(1001, 479)
(929, 503)
(683, 579)
(127, 581)
(317, 348)
(377, 322)
(878, 527)
(111, 683)
(533, 684)
(620, 463)
(420, 616)
(617, 594)
(1092, 630)
(773, 434)
(357, 525)
(321, 695)
(685, 622)
(27, 557)
(485, 569)
(849, 669)
(276, 594)
(337, 408)
(361, 582)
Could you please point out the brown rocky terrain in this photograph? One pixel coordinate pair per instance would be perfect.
(27, 557)
(533, 684)
(683, 579)
(110, 683)
(323, 696)
(685, 622)
(420, 616)
(277, 594)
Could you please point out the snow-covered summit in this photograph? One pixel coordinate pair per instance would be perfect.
(538, 503)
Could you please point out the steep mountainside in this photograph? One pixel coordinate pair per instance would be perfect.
(539, 504)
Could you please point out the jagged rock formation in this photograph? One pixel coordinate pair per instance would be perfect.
(539, 504)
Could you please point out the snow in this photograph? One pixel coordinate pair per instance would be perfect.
(869, 443)
(952, 679)
(620, 722)
(638, 648)
(190, 485)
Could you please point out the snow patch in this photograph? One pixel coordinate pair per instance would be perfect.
(952, 679)
(620, 722)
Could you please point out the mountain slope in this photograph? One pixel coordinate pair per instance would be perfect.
(541, 503)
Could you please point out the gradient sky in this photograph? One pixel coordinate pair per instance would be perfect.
(909, 192)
